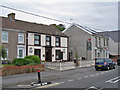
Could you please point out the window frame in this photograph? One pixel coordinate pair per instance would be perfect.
(57, 41)
(37, 40)
(23, 54)
(5, 34)
(48, 40)
(58, 54)
(7, 55)
(20, 36)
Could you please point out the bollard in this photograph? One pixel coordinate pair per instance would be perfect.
(39, 83)
(39, 76)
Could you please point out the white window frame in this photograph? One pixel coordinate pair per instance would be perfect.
(7, 55)
(6, 33)
(19, 35)
(21, 47)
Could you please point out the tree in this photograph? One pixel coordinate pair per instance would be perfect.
(60, 27)
(3, 52)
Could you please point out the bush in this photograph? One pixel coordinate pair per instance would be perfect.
(28, 61)
(18, 61)
(6, 62)
(22, 61)
(35, 58)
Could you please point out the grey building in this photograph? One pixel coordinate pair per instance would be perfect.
(87, 43)
(114, 41)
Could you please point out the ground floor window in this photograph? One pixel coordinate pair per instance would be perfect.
(6, 58)
(59, 55)
(21, 52)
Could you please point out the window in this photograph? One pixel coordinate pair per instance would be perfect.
(104, 42)
(6, 55)
(58, 52)
(4, 36)
(48, 41)
(37, 39)
(20, 37)
(57, 41)
(21, 52)
(96, 41)
(95, 53)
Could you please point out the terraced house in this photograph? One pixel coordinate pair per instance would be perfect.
(21, 38)
(86, 42)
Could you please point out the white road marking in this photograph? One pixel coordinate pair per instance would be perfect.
(23, 85)
(97, 74)
(92, 75)
(61, 82)
(92, 87)
(79, 78)
(114, 80)
(85, 76)
(49, 85)
(70, 80)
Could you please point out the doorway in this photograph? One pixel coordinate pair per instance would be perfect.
(37, 52)
(48, 54)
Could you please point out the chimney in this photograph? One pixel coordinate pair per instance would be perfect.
(11, 16)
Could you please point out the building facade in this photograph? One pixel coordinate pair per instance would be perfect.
(21, 38)
(89, 45)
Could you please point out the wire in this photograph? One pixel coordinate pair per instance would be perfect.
(84, 27)
(33, 14)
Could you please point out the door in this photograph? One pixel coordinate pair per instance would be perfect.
(37, 52)
(48, 54)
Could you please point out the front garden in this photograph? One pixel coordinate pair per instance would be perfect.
(22, 65)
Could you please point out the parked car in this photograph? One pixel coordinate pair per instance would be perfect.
(104, 63)
(118, 61)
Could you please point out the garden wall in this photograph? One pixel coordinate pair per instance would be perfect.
(10, 70)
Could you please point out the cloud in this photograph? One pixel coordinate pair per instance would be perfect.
(101, 15)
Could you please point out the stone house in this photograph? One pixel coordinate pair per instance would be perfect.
(21, 38)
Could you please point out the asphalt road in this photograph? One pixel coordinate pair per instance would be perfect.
(77, 78)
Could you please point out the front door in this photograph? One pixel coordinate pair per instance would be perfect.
(37, 52)
(48, 55)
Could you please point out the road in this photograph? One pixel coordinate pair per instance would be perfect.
(77, 78)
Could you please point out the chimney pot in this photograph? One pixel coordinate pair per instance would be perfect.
(12, 16)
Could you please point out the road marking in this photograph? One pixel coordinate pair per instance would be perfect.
(85, 76)
(23, 85)
(50, 85)
(79, 78)
(70, 80)
(61, 82)
(114, 80)
(92, 75)
(97, 74)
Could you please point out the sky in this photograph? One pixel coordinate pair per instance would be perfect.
(100, 15)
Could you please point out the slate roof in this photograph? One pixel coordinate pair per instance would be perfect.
(114, 35)
(29, 26)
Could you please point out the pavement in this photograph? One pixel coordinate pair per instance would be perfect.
(77, 78)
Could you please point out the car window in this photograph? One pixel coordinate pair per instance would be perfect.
(99, 60)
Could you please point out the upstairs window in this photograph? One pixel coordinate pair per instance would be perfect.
(48, 41)
(20, 37)
(37, 40)
(58, 41)
(4, 36)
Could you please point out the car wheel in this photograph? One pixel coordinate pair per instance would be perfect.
(96, 69)
(114, 67)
